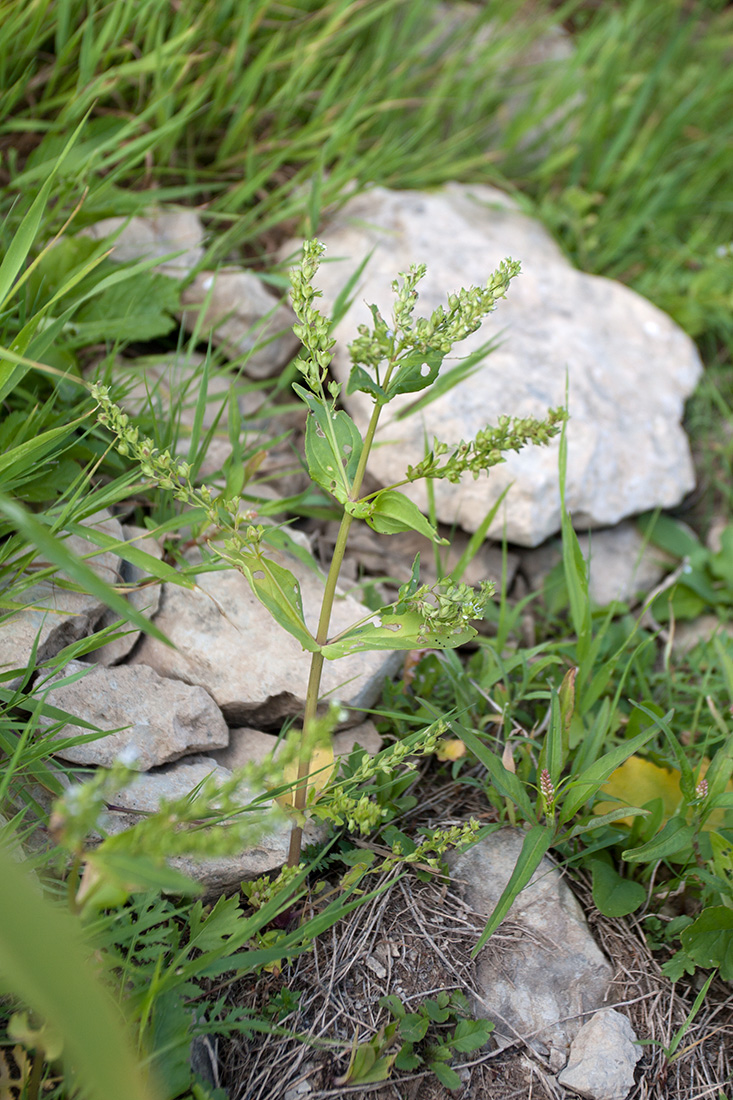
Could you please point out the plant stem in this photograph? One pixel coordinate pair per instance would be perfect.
(324, 621)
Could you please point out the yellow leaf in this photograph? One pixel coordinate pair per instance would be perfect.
(638, 781)
(450, 749)
(322, 767)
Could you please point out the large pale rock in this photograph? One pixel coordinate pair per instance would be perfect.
(156, 237)
(54, 615)
(622, 564)
(602, 1058)
(143, 596)
(269, 849)
(226, 641)
(548, 971)
(243, 318)
(153, 720)
(629, 366)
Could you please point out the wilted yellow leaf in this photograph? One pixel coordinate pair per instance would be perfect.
(638, 781)
(322, 766)
(451, 748)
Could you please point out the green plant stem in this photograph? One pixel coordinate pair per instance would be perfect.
(324, 621)
(34, 1081)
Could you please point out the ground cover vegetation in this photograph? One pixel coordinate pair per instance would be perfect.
(265, 116)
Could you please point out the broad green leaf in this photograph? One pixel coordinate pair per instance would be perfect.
(393, 631)
(446, 1075)
(536, 843)
(416, 372)
(615, 896)
(279, 591)
(721, 564)
(391, 512)
(361, 380)
(708, 941)
(669, 535)
(333, 446)
(675, 837)
(44, 961)
(414, 1027)
(471, 1035)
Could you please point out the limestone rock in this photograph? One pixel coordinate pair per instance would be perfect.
(538, 980)
(250, 746)
(602, 1058)
(156, 236)
(629, 366)
(143, 597)
(53, 614)
(162, 719)
(226, 641)
(219, 873)
(242, 318)
(622, 564)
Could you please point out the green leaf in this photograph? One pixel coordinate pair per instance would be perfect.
(333, 445)
(394, 1004)
(393, 631)
(136, 871)
(536, 843)
(417, 371)
(279, 591)
(471, 1035)
(675, 837)
(391, 512)
(413, 1027)
(44, 961)
(708, 941)
(361, 380)
(615, 896)
(446, 1075)
(438, 1013)
(507, 783)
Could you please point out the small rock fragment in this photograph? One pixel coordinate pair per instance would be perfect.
(602, 1058)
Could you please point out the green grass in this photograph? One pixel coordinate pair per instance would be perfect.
(265, 115)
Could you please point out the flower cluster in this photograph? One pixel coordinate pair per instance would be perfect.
(487, 449)
(313, 329)
(445, 607)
